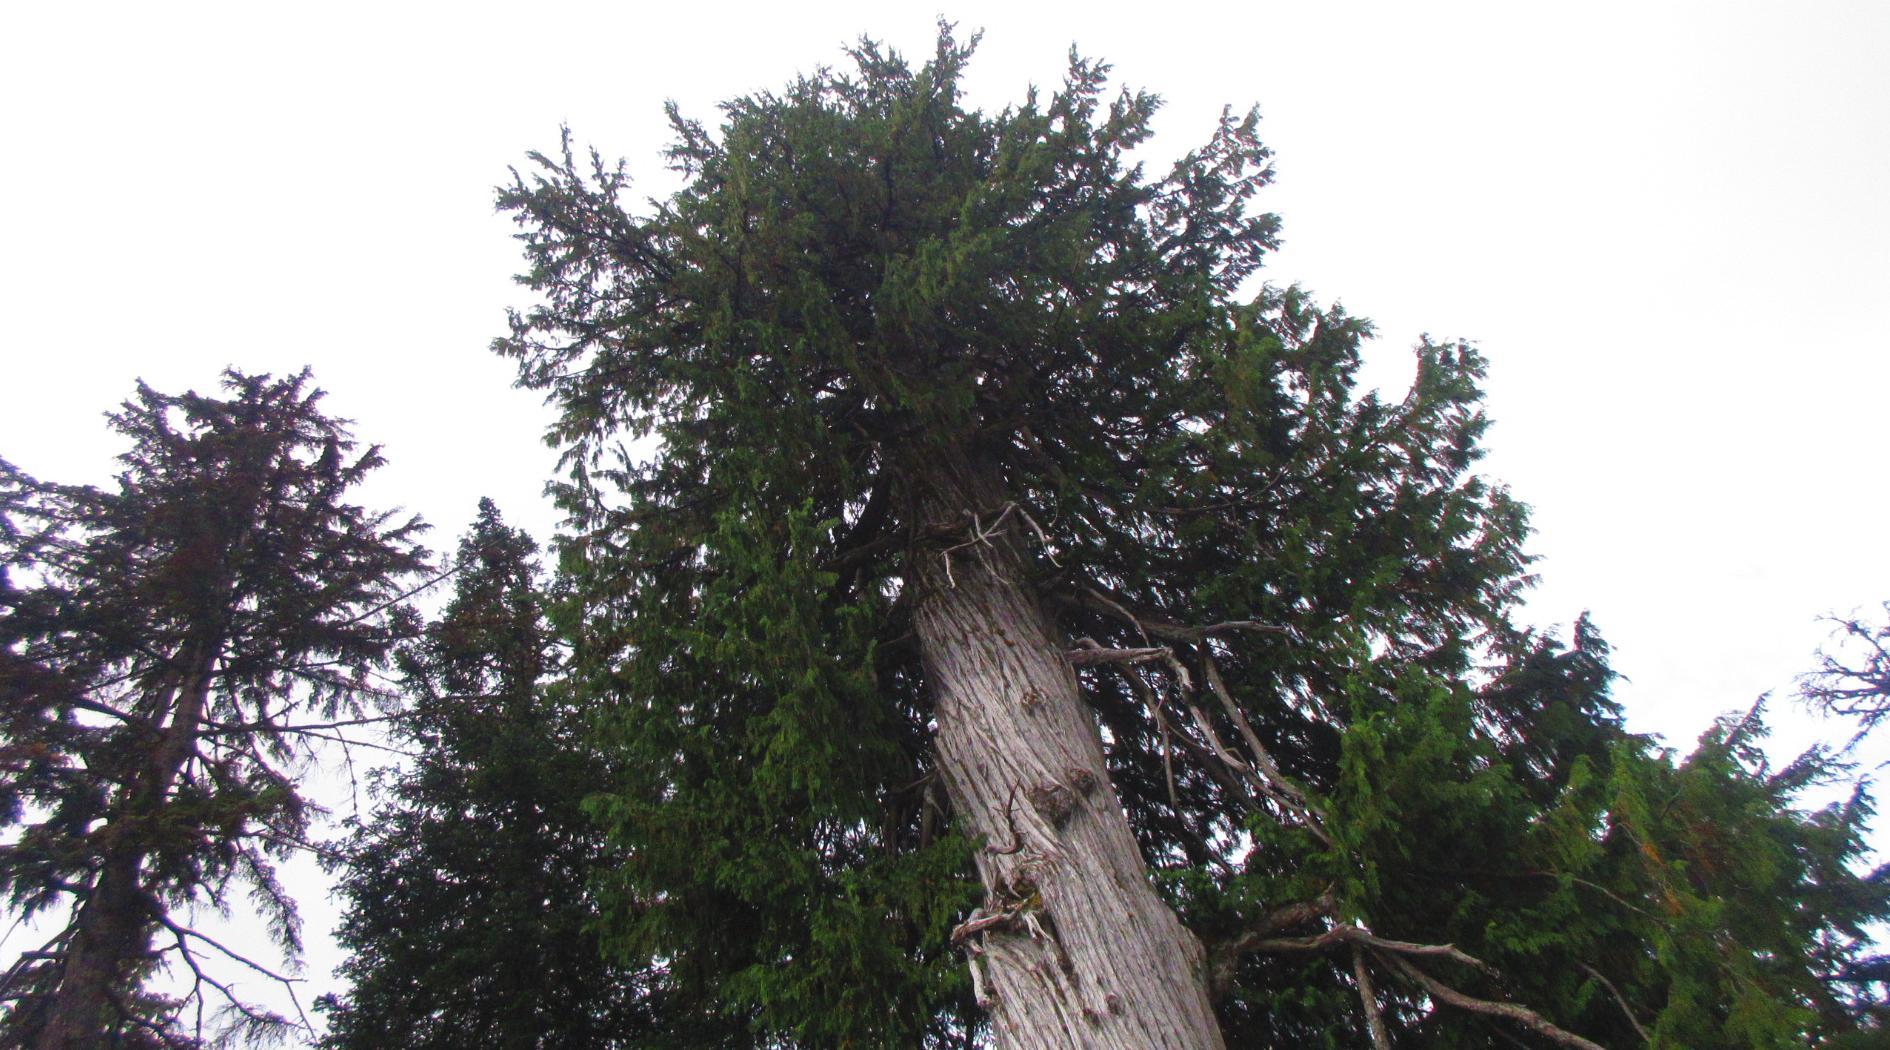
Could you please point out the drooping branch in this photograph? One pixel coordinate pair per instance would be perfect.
(182, 936)
(1521, 1015)
(1620, 1001)
(1266, 771)
(1399, 955)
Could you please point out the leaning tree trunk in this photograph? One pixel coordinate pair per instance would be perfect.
(111, 936)
(1072, 947)
(112, 930)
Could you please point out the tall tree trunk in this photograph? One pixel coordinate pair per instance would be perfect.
(112, 930)
(111, 934)
(1072, 948)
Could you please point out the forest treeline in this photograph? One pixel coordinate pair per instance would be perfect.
(1021, 631)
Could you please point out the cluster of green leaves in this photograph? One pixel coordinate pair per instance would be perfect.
(470, 914)
(168, 648)
(865, 285)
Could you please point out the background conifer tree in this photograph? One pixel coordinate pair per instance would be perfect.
(996, 525)
(469, 918)
(169, 647)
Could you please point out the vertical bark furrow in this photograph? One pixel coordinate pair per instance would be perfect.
(1090, 956)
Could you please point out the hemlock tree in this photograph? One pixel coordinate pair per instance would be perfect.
(469, 918)
(989, 529)
(169, 649)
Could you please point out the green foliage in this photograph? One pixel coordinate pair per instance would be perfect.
(756, 802)
(1692, 896)
(470, 918)
(865, 286)
(164, 645)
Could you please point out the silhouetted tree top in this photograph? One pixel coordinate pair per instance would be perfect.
(172, 645)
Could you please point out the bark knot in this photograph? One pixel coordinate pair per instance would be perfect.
(1055, 802)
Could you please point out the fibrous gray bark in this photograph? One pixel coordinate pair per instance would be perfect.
(1072, 946)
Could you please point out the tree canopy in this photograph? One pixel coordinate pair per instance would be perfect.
(894, 356)
(470, 915)
(169, 647)
(987, 614)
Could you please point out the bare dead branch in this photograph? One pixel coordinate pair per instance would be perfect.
(1620, 1001)
(1226, 955)
(46, 952)
(984, 534)
(1262, 758)
(1168, 759)
(1043, 538)
(1267, 774)
(1368, 998)
(1346, 933)
(1214, 740)
(457, 565)
(980, 921)
(306, 728)
(182, 936)
(1521, 1015)
(1089, 652)
(1116, 607)
(1247, 625)
(1180, 632)
(1153, 703)
(184, 933)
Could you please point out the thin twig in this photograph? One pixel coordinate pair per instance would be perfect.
(1271, 780)
(1119, 610)
(1620, 1001)
(1010, 822)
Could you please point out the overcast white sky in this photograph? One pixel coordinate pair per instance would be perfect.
(1666, 224)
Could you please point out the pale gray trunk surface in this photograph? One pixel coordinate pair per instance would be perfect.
(1073, 947)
